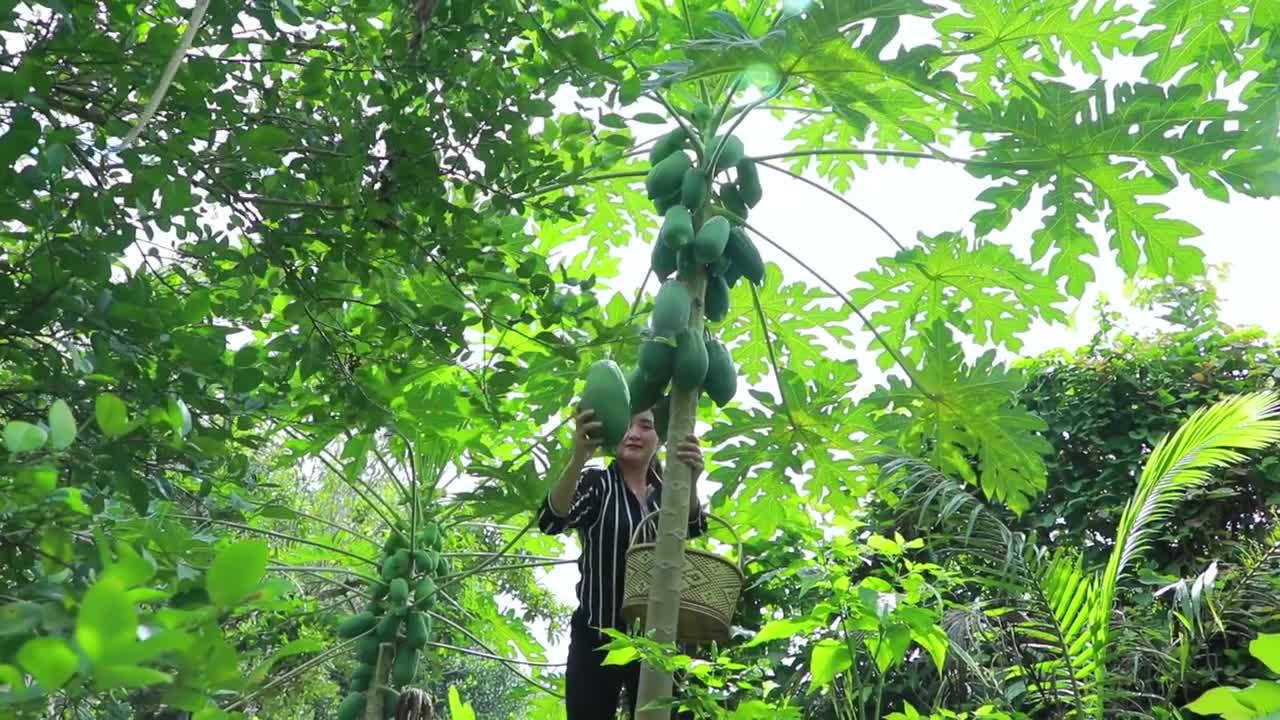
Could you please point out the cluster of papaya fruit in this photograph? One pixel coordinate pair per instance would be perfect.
(396, 616)
(703, 208)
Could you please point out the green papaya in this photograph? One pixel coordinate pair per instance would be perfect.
(722, 377)
(435, 558)
(691, 361)
(719, 266)
(606, 394)
(701, 114)
(731, 154)
(664, 178)
(686, 264)
(390, 699)
(644, 390)
(430, 536)
(732, 201)
(663, 204)
(749, 182)
(693, 189)
(662, 260)
(746, 258)
(716, 301)
(670, 310)
(405, 667)
(378, 590)
(357, 624)
(367, 649)
(361, 677)
(424, 595)
(396, 565)
(662, 416)
(731, 275)
(399, 593)
(668, 144)
(677, 227)
(394, 542)
(415, 631)
(388, 625)
(444, 568)
(352, 706)
(424, 561)
(709, 242)
(657, 358)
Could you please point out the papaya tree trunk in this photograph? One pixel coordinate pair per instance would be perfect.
(663, 611)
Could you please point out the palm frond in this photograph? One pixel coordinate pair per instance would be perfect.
(1212, 437)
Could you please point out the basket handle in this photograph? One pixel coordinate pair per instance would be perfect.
(653, 513)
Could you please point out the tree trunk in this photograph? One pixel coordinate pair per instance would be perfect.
(673, 522)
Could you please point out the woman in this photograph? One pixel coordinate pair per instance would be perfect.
(605, 505)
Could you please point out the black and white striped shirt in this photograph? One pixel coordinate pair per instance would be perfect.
(605, 514)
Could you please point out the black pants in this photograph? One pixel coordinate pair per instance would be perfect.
(592, 689)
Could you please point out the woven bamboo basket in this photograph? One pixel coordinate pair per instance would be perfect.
(709, 589)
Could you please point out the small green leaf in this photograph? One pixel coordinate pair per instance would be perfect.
(179, 416)
(112, 415)
(129, 676)
(829, 658)
(50, 660)
(62, 425)
(23, 437)
(649, 118)
(236, 572)
(459, 710)
(1266, 647)
(107, 622)
(780, 629)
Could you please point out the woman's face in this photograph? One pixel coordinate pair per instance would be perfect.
(641, 440)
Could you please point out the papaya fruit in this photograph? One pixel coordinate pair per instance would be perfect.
(662, 260)
(378, 590)
(357, 624)
(744, 256)
(415, 631)
(396, 565)
(430, 536)
(394, 542)
(424, 595)
(732, 201)
(664, 178)
(444, 568)
(670, 310)
(731, 154)
(668, 144)
(352, 706)
(716, 301)
(701, 114)
(662, 416)
(709, 242)
(361, 677)
(390, 700)
(388, 625)
(693, 189)
(719, 266)
(677, 227)
(657, 358)
(686, 264)
(731, 275)
(399, 592)
(606, 394)
(367, 649)
(691, 361)
(749, 182)
(722, 377)
(663, 204)
(435, 558)
(644, 390)
(423, 561)
(405, 666)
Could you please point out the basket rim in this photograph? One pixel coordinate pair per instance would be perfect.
(638, 548)
(710, 516)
